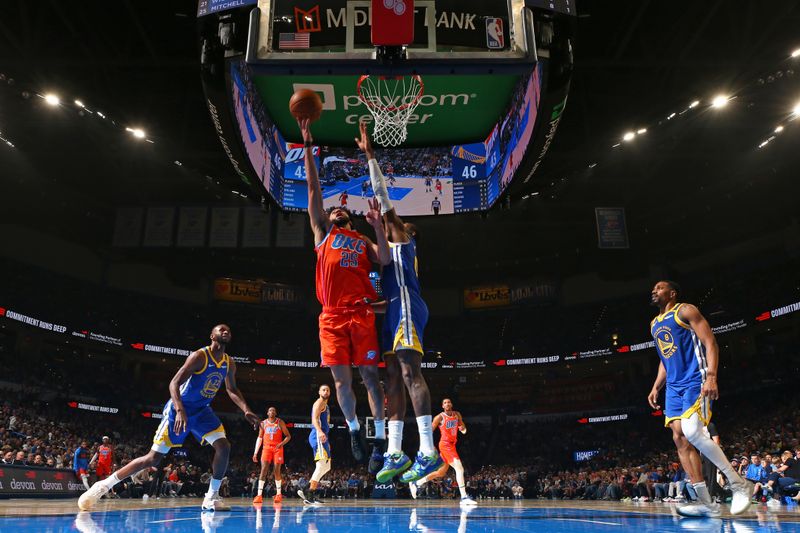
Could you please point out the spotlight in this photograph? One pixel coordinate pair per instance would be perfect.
(52, 99)
(100, 114)
(719, 101)
(694, 104)
(671, 116)
(628, 136)
(796, 110)
(779, 129)
(796, 53)
(138, 133)
(79, 103)
(641, 131)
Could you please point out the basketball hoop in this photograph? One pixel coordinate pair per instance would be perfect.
(390, 101)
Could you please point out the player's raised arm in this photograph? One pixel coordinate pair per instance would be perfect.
(316, 213)
(692, 316)
(286, 435)
(236, 395)
(378, 252)
(193, 364)
(394, 224)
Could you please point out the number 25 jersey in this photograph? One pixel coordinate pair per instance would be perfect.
(343, 267)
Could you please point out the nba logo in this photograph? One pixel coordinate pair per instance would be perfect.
(495, 40)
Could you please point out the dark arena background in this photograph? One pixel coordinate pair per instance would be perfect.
(575, 169)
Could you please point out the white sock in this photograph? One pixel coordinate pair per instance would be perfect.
(421, 481)
(395, 436)
(425, 434)
(111, 480)
(463, 490)
(702, 492)
(213, 486)
(277, 486)
(85, 480)
(353, 424)
(380, 429)
(459, 468)
(261, 483)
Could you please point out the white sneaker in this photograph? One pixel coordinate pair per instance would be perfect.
(466, 501)
(699, 510)
(772, 502)
(413, 488)
(214, 503)
(91, 496)
(741, 499)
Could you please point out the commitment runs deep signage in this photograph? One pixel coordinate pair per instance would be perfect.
(23, 481)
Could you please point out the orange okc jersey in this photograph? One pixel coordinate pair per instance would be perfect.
(448, 428)
(343, 267)
(270, 433)
(105, 455)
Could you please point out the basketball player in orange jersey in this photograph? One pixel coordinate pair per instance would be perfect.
(188, 410)
(273, 435)
(449, 423)
(347, 332)
(105, 459)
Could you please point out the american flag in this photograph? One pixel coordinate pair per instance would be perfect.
(294, 40)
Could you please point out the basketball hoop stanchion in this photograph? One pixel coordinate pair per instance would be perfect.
(391, 101)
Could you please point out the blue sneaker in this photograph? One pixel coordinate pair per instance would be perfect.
(376, 458)
(424, 465)
(393, 465)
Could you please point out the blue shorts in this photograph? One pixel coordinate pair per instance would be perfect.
(201, 422)
(404, 325)
(684, 401)
(322, 450)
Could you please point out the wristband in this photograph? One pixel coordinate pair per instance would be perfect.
(308, 144)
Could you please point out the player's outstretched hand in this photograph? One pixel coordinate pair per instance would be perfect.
(374, 214)
(652, 399)
(364, 143)
(305, 129)
(253, 419)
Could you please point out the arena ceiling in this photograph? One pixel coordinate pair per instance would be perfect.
(687, 185)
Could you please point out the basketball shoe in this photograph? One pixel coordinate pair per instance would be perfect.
(424, 465)
(394, 464)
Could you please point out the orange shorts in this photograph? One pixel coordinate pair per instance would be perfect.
(103, 471)
(348, 337)
(448, 452)
(271, 454)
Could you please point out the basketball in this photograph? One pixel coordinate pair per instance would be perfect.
(305, 103)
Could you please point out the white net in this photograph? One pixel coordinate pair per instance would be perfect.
(391, 101)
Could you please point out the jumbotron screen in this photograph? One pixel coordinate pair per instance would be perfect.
(421, 180)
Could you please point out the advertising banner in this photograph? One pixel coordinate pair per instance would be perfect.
(28, 481)
(487, 297)
(237, 290)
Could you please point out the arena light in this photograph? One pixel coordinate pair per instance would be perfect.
(79, 103)
(779, 129)
(671, 116)
(628, 136)
(641, 131)
(136, 132)
(796, 110)
(100, 114)
(719, 101)
(52, 99)
(694, 104)
(796, 53)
